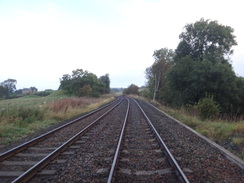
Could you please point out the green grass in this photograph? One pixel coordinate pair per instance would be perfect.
(23, 116)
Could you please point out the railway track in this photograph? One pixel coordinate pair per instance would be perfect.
(118, 143)
(143, 156)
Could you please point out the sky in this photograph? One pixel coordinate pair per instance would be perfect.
(41, 40)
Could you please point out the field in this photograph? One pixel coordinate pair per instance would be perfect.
(26, 115)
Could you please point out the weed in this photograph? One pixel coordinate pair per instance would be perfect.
(208, 109)
(238, 140)
(239, 127)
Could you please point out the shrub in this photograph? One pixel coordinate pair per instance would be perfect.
(207, 108)
(43, 93)
(22, 115)
(30, 114)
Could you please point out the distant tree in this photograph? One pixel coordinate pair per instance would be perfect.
(10, 84)
(86, 90)
(7, 88)
(83, 83)
(157, 73)
(106, 81)
(132, 89)
(33, 89)
(4, 92)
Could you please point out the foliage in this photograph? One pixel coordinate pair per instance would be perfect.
(208, 109)
(21, 115)
(7, 88)
(156, 74)
(132, 89)
(106, 81)
(206, 39)
(84, 83)
(191, 80)
(43, 93)
(200, 65)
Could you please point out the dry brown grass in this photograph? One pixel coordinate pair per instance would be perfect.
(240, 127)
(70, 103)
(67, 108)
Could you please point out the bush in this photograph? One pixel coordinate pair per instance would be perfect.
(22, 115)
(43, 93)
(30, 114)
(207, 108)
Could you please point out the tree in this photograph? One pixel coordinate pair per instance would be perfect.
(106, 81)
(190, 81)
(7, 88)
(10, 84)
(206, 39)
(156, 74)
(3, 92)
(83, 83)
(201, 65)
(132, 89)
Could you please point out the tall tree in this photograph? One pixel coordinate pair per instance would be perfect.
(156, 74)
(206, 39)
(106, 81)
(8, 88)
(132, 89)
(201, 65)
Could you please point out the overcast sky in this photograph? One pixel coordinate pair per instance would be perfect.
(41, 40)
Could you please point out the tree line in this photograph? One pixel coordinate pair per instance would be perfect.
(84, 83)
(79, 83)
(198, 70)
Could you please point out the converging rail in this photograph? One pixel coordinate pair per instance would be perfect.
(176, 168)
(15, 152)
(116, 156)
(179, 172)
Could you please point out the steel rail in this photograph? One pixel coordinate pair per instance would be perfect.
(115, 160)
(45, 161)
(25, 145)
(179, 172)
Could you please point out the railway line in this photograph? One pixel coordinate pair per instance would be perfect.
(124, 141)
